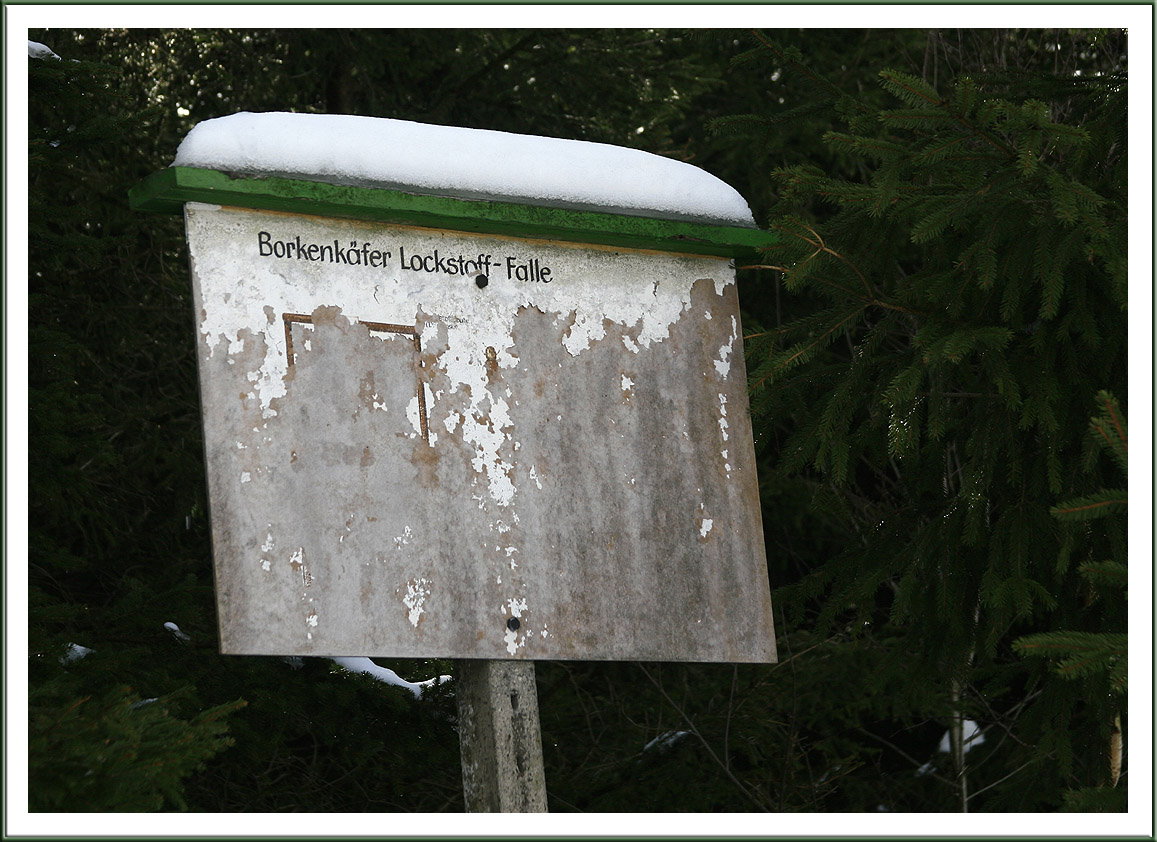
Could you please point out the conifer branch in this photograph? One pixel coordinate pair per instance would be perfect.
(800, 66)
(822, 247)
(1110, 407)
(802, 351)
(897, 307)
(1086, 508)
(779, 331)
(891, 77)
(844, 290)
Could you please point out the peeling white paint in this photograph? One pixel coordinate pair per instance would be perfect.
(587, 328)
(535, 478)
(514, 607)
(414, 416)
(705, 527)
(723, 364)
(627, 383)
(299, 565)
(245, 476)
(488, 435)
(723, 416)
(403, 539)
(266, 548)
(474, 322)
(417, 592)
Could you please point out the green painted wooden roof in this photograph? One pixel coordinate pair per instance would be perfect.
(168, 190)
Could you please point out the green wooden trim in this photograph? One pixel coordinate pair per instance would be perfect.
(168, 190)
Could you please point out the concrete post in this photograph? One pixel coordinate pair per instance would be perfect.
(501, 737)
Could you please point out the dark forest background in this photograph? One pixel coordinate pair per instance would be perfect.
(937, 356)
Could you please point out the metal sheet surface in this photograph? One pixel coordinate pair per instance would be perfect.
(407, 461)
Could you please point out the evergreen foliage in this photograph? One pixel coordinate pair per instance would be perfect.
(952, 300)
(118, 531)
(1096, 655)
(119, 752)
(94, 398)
(970, 295)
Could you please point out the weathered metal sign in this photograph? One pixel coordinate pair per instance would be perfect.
(423, 443)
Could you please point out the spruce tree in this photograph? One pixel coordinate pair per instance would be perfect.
(1096, 654)
(967, 294)
(119, 533)
(94, 743)
(118, 528)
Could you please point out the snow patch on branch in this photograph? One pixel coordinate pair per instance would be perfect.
(365, 666)
(38, 50)
(74, 652)
(175, 630)
(973, 737)
(665, 740)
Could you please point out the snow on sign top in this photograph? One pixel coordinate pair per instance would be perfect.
(462, 163)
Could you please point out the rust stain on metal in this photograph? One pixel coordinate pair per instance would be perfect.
(291, 319)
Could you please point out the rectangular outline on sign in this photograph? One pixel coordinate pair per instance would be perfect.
(289, 319)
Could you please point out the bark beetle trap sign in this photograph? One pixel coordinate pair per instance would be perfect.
(429, 442)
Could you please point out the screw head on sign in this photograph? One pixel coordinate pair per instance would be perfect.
(482, 281)
(513, 624)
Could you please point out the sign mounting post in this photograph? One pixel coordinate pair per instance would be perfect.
(501, 738)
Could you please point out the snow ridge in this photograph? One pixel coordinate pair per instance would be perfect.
(463, 163)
